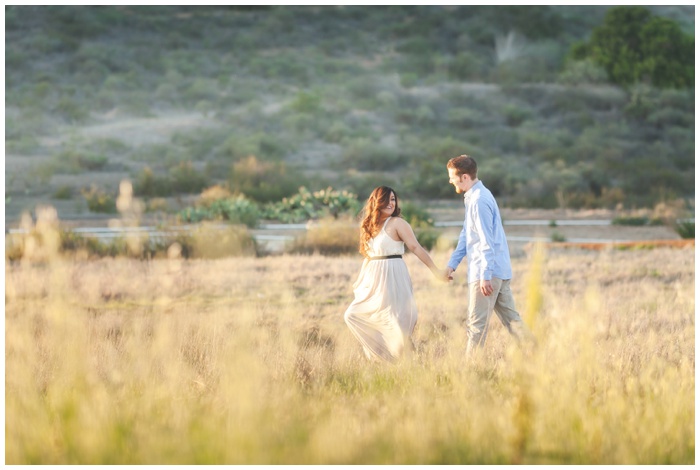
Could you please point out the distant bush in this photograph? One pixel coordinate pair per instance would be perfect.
(328, 236)
(186, 179)
(364, 155)
(71, 110)
(363, 183)
(211, 242)
(581, 72)
(147, 184)
(20, 246)
(234, 209)
(76, 160)
(205, 241)
(202, 89)
(337, 132)
(307, 205)
(182, 178)
(421, 223)
(64, 192)
(635, 221)
(466, 66)
(161, 154)
(99, 201)
(685, 228)
(21, 143)
(305, 102)
(515, 115)
(557, 237)
(416, 216)
(74, 242)
(264, 181)
(237, 147)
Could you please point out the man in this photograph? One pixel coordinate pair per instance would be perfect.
(483, 242)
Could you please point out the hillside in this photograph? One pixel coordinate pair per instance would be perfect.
(264, 99)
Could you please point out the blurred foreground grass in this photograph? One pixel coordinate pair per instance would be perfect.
(248, 361)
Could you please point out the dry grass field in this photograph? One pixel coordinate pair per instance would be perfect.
(248, 361)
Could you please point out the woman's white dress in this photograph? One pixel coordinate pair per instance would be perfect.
(384, 312)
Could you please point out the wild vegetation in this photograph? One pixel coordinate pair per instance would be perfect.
(264, 100)
(193, 348)
(245, 361)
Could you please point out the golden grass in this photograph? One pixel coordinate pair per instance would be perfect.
(248, 361)
(630, 245)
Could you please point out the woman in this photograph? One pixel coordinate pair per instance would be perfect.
(384, 313)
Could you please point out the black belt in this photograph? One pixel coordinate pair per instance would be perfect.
(374, 258)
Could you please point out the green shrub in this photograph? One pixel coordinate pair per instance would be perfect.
(557, 237)
(99, 201)
(580, 72)
(185, 178)
(182, 178)
(76, 160)
(422, 224)
(147, 184)
(409, 80)
(363, 154)
(515, 115)
(427, 237)
(466, 66)
(64, 192)
(264, 181)
(685, 228)
(416, 216)
(73, 242)
(307, 205)
(636, 221)
(305, 102)
(22, 144)
(70, 110)
(234, 209)
(202, 89)
(363, 183)
(336, 132)
(92, 162)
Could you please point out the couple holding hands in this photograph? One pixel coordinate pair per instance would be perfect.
(384, 313)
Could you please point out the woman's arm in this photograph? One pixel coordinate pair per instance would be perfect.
(405, 232)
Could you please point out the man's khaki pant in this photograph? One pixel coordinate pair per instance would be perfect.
(480, 308)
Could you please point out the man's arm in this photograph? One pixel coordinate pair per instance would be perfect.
(483, 217)
(459, 253)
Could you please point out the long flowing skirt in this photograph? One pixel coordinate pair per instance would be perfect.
(384, 312)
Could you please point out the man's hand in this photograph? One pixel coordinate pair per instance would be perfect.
(486, 287)
(448, 273)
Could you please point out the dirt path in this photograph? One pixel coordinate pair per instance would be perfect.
(137, 130)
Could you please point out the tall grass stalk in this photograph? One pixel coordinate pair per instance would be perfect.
(248, 361)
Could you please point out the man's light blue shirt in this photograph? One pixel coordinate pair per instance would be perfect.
(482, 240)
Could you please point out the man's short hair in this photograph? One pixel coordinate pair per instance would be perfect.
(464, 164)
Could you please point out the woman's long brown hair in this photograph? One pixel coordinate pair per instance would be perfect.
(373, 217)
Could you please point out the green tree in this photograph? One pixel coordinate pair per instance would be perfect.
(632, 45)
(669, 54)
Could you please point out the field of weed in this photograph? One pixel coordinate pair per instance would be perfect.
(248, 361)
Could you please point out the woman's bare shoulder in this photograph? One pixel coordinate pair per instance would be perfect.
(398, 223)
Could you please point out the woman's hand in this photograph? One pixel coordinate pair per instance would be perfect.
(441, 275)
